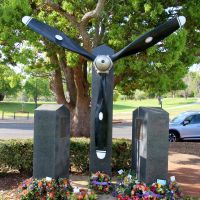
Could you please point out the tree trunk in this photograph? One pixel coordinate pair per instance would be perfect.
(80, 119)
(78, 100)
(36, 101)
(2, 97)
(81, 113)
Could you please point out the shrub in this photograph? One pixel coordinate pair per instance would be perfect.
(79, 154)
(121, 154)
(18, 154)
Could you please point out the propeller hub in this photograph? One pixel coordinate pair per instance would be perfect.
(103, 64)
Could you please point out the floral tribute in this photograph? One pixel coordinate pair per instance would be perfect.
(129, 188)
(83, 195)
(101, 183)
(50, 189)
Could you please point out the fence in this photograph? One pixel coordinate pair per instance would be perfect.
(15, 115)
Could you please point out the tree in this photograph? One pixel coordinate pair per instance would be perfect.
(115, 23)
(192, 82)
(37, 87)
(10, 82)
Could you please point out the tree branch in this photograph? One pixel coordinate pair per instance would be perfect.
(85, 20)
(69, 77)
(92, 14)
(58, 8)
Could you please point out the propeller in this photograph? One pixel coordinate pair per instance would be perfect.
(149, 39)
(56, 36)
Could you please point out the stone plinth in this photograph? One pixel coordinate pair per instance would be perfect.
(150, 130)
(51, 141)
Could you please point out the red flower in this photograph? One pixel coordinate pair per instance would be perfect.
(51, 195)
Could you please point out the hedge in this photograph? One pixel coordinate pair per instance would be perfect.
(18, 154)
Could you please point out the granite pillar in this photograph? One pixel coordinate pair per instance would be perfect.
(150, 130)
(51, 141)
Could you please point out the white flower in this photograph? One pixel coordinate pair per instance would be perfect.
(76, 190)
(48, 178)
(172, 178)
(129, 176)
(120, 172)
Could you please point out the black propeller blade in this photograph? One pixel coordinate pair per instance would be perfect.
(101, 120)
(56, 36)
(149, 39)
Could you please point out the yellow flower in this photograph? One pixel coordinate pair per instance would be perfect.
(159, 185)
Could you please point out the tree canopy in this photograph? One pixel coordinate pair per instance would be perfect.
(115, 23)
(10, 82)
(36, 87)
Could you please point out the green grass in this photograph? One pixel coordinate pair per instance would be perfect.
(172, 105)
(123, 109)
(10, 107)
(130, 105)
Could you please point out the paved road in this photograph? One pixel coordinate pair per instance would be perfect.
(22, 128)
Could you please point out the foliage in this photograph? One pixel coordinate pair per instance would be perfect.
(80, 147)
(139, 95)
(18, 154)
(10, 82)
(121, 154)
(192, 81)
(36, 87)
(116, 95)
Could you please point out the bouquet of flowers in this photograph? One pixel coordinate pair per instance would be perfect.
(131, 189)
(101, 183)
(158, 188)
(83, 195)
(174, 191)
(34, 189)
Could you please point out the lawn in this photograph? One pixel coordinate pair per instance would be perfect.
(121, 109)
(10, 107)
(130, 105)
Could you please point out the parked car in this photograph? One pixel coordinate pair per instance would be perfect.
(186, 126)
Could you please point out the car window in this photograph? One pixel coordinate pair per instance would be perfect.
(195, 119)
(179, 118)
(189, 118)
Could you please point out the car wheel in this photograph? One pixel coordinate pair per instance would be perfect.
(173, 136)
